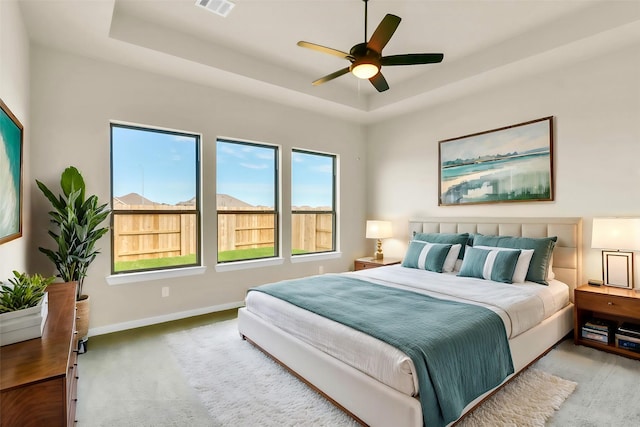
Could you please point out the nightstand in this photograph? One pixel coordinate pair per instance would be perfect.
(609, 303)
(370, 262)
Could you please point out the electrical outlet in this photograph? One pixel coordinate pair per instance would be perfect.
(321, 269)
(165, 291)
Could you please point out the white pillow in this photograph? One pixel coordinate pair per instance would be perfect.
(522, 266)
(452, 257)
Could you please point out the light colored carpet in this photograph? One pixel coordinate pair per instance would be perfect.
(240, 386)
(608, 387)
(528, 401)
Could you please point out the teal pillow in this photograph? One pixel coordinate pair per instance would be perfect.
(471, 237)
(446, 238)
(426, 256)
(489, 264)
(542, 252)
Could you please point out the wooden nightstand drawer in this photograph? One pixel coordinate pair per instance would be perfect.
(359, 265)
(369, 262)
(609, 304)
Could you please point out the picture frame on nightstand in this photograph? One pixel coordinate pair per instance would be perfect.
(617, 269)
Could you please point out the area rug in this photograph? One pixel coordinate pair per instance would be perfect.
(240, 386)
(527, 401)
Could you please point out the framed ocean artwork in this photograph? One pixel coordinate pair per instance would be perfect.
(509, 164)
(11, 134)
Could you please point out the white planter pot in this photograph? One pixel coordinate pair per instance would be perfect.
(23, 325)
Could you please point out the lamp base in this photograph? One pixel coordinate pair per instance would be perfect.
(378, 254)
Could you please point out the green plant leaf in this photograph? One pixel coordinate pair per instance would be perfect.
(75, 227)
(70, 181)
(23, 291)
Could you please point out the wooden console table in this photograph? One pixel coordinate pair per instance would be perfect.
(38, 377)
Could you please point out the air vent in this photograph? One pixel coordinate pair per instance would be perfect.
(220, 7)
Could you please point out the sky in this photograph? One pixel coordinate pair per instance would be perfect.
(247, 172)
(312, 177)
(162, 168)
(159, 166)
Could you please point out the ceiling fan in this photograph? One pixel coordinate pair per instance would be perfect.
(366, 58)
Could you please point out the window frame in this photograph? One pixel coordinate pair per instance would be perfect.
(333, 211)
(276, 212)
(197, 211)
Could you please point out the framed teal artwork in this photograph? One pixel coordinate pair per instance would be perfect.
(11, 135)
(509, 164)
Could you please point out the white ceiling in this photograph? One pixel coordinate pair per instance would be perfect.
(254, 51)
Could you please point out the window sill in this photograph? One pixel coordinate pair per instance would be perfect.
(254, 263)
(143, 276)
(315, 257)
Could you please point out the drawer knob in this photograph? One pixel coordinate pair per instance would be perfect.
(609, 303)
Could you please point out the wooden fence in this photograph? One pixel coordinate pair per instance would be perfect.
(312, 232)
(147, 236)
(245, 230)
(162, 235)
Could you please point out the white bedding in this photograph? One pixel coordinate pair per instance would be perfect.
(520, 306)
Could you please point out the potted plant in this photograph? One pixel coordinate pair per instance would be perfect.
(76, 229)
(23, 307)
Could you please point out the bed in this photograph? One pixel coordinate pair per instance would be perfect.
(373, 396)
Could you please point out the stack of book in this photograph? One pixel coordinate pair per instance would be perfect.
(628, 336)
(598, 330)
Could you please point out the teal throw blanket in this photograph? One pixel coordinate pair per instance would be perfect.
(459, 350)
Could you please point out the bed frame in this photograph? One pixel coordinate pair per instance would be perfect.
(373, 403)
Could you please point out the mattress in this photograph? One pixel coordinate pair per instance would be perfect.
(520, 306)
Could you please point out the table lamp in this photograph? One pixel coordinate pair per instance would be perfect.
(617, 237)
(378, 230)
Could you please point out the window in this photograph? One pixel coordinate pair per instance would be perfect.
(247, 200)
(313, 212)
(155, 188)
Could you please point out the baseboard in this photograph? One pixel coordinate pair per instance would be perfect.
(117, 327)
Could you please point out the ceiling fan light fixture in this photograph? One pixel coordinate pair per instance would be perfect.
(366, 58)
(364, 69)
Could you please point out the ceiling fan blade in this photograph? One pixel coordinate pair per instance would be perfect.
(379, 82)
(412, 59)
(383, 33)
(330, 76)
(324, 49)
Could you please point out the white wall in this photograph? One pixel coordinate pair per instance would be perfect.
(596, 108)
(74, 100)
(14, 91)
(596, 105)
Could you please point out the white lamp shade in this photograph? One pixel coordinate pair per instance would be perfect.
(378, 229)
(616, 233)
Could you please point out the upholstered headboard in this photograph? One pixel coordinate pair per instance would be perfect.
(567, 255)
